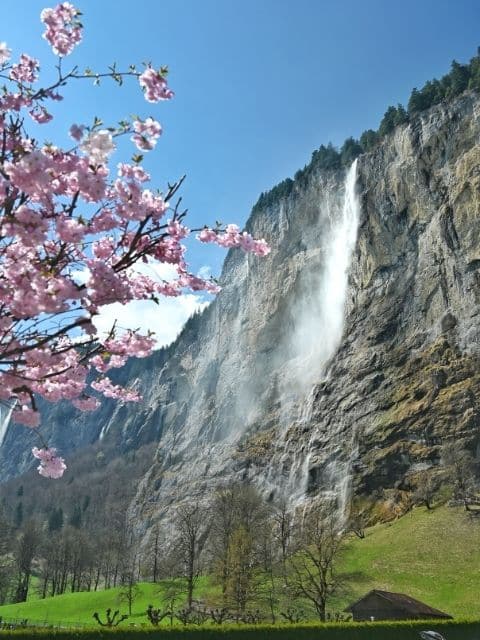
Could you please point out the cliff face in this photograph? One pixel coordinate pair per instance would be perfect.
(263, 386)
(262, 404)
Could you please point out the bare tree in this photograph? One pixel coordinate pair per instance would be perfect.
(24, 554)
(312, 563)
(222, 525)
(239, 518)
(111, 619)
(189, 523)
(283, 527)
(272, 569)
(129, 591)
(6, 566)
(155, 552)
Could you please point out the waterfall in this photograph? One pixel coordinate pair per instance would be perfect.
(337, 264)
(5, 415)
(319, 325)
(318, 315)
(333, 295)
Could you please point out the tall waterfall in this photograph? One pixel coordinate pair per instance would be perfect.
(318, 315)
(5, 415)
(316, 338)
(337, 264)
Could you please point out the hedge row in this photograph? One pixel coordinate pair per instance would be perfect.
(452, 630)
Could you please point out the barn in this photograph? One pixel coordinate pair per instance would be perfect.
(384, 605)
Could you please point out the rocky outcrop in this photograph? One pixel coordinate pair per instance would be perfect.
(250, 390)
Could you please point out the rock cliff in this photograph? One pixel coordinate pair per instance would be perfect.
(261, 386)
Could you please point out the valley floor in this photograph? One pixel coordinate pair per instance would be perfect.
(433, 556)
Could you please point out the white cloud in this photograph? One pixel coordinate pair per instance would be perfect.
(166, 319)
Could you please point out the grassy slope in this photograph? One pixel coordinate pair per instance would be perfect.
(431, 555)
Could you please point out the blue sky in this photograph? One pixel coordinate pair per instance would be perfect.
(259, 84)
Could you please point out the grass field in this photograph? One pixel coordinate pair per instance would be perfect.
(432, 555)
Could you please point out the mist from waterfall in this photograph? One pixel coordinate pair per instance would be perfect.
(318, 328)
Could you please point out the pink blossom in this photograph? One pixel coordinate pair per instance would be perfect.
(133, 171)
(154, 85)
(51, 465)
(110, 390)
(195, 283)
(131, 344)
(70, 230)
(177, 230)
(25, 70)
(76, 131)
(207, 235)
(63, 30)
(86, 403)
(146, 134)
(27, 416)
(104, 248)
(106, 362)
(40, 115)
(232, 237)
(98, 146)
(143, 143)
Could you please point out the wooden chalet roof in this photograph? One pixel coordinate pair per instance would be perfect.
(403, 602)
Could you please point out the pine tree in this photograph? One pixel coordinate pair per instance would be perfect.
(459, 77)
(351, 149)
(18, 515)
(369, 139)
(416, 102)
(75, 519)
(387, 125)
(401, 116)
(55, 521)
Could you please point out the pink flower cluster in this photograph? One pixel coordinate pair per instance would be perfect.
(63, 30)
(146, 133)
(27, 416)
(233, 237)
(51, 465)
(110, 390)
(130, 342)
(154, 85)
(40, 115)
(26, 70)
(98, 146)
(76, 132)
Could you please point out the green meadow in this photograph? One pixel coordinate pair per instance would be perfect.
(433, 556)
